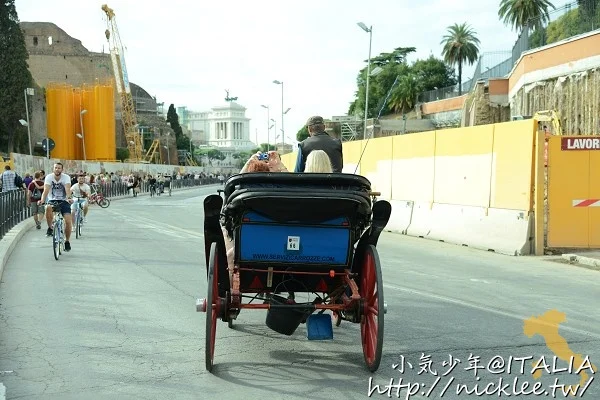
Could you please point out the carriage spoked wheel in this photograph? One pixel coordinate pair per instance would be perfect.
(337, 318)
(212, 307)
(371, 292)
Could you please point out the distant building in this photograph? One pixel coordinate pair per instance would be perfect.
(224, 127)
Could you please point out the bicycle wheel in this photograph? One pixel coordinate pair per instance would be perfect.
(56, 241)
(78, 219)
(61, 242)
(103, 202)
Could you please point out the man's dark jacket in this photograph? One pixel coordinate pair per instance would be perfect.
(321, 141)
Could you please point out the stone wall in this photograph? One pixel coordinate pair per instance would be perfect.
(575, 97)
(478, 110)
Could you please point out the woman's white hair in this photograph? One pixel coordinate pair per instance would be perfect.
(318, 161)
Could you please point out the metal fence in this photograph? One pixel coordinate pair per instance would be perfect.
(14, 209)
(489, 65)
(528, 39)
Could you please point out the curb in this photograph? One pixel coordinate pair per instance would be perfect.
(592, 262)
(10, 240)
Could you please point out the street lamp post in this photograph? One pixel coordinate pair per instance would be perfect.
(82, 137)
(268, 128)
(282, 112)
(369, 30)
(28, 91)
(275, 129)
(168, 153)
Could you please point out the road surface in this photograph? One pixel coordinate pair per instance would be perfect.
(115, 318)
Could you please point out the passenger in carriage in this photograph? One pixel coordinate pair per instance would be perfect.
(318, 161)
(319, 140)
(254, 164)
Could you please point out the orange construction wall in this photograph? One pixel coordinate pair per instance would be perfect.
(573, 175)
(64, 105)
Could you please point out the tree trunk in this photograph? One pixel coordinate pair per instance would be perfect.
(459, 77)
(10, 139)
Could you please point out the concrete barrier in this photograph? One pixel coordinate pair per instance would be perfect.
(502, 231)
(401, 217)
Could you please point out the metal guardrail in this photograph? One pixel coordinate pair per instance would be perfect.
(14, 209)
(123, 189)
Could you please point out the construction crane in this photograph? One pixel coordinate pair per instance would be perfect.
(128, 116)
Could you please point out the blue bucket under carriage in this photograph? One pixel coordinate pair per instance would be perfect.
(263, 240)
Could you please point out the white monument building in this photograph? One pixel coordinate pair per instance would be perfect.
(225, 127)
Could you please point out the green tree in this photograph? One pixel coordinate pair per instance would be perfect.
(589, 11)
(433, 73)
(122, 154)
(14, 78)
(404, 95)
(262, 148)
(391, 65)
(173, 120)
(525, 13)
(302, 133)
(564, 27)
(460, 45)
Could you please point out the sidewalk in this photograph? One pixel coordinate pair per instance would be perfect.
(590, 258)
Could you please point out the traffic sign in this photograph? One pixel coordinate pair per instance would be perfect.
(52, 144)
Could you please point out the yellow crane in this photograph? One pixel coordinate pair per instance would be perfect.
(549, 116)
(128, 116)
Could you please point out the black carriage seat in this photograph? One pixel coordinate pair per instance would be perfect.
(298, 197)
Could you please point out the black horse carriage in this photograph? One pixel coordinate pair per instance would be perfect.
(314, 234)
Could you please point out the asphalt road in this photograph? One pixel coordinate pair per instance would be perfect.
(115, 318)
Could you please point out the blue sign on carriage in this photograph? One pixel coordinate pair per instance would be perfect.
(271, 242)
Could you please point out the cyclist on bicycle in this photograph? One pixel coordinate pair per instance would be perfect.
(57, 186)
(81, 191)
(161, 183)
(167, 182)
(152, 183)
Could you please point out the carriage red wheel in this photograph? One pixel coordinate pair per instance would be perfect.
(212, 307)
(371, 292)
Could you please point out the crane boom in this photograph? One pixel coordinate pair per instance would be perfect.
(128, 116)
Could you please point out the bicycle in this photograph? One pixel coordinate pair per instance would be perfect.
(78, 217)
(98, 198)
(58, 228)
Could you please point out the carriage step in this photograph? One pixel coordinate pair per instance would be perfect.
(319, 327)
(200, 305)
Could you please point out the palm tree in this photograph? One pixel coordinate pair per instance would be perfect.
(460, 45)
(405, 94)
(525, 13)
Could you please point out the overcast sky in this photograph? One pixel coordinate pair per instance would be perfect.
(188, 52)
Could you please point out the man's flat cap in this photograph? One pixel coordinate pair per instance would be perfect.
(314, 120)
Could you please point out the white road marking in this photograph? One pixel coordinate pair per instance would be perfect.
(479, 280)
(484, 308)
(168, 229)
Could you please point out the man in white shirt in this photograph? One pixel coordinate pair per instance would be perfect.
(81, 191)
(57, 186)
